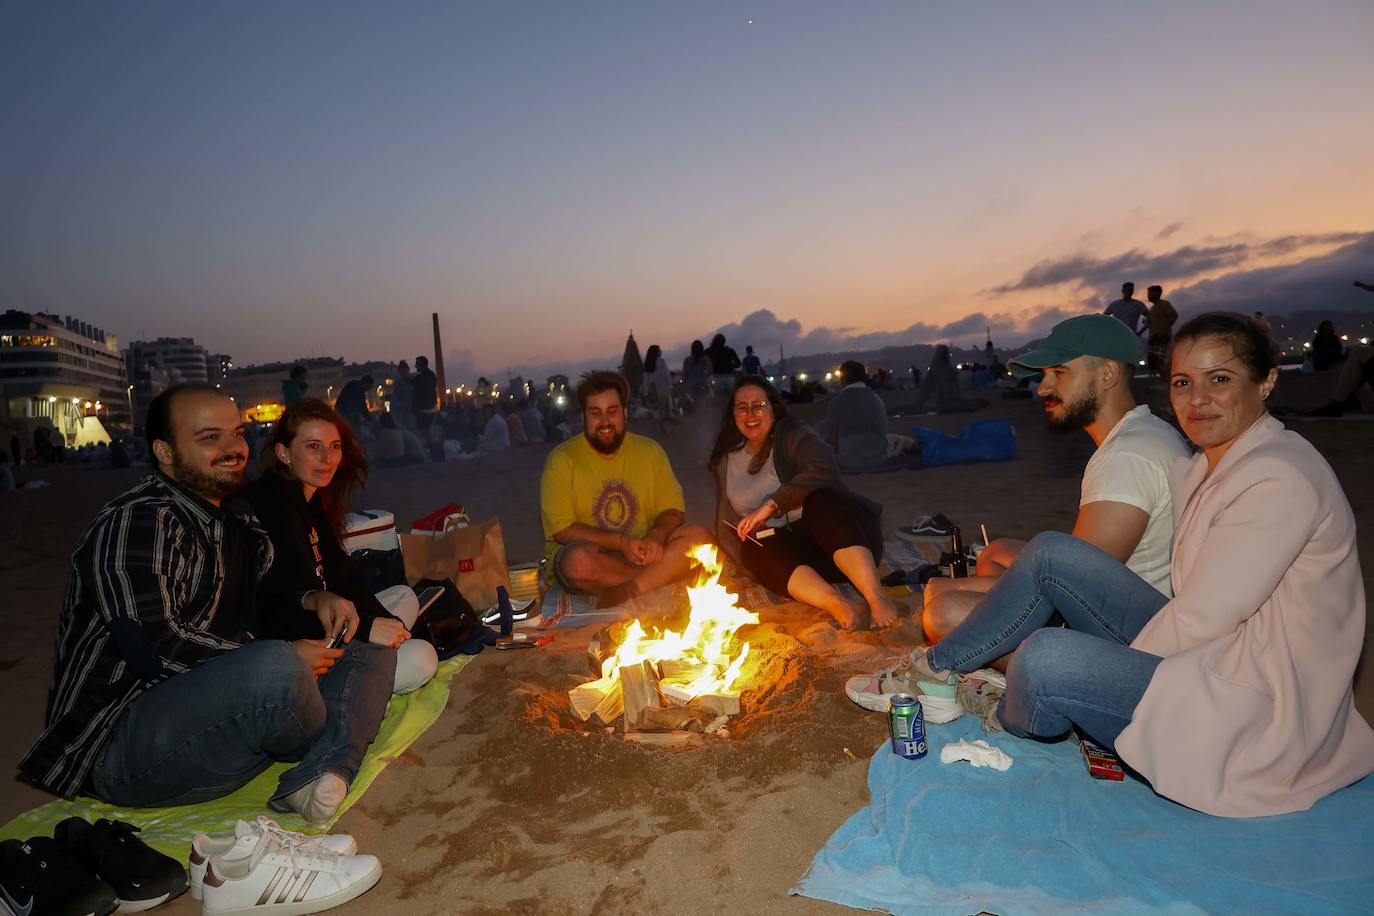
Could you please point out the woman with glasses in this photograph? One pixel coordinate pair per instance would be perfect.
(784, 515)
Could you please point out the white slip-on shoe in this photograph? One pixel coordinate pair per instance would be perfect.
(245, 837)
(286, 880)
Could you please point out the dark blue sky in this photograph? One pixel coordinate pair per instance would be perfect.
(284, 179)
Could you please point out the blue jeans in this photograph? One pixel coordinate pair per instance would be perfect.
(205, 732)
(1086, 675)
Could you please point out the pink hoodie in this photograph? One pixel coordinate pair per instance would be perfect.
(1251, 712)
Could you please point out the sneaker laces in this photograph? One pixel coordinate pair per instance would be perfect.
(292, 839)
(307, 850)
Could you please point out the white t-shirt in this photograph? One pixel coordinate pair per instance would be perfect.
(1131, 466)
(747, 492)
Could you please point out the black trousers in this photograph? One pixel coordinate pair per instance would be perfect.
(829, 522)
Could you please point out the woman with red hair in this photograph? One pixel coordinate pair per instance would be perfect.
(312, 466)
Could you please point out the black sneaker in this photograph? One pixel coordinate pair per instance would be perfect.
(42, 878)
(141, 876)
(927, 526)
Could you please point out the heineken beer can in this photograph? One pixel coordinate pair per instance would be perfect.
(908, 724)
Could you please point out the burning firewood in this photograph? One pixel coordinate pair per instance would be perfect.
(639, 685)
(670, 679)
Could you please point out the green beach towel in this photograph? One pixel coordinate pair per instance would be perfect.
(170, 830)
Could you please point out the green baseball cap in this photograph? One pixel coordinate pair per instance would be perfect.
(1084, 335)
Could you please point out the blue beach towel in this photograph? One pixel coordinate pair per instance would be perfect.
(1044, 837)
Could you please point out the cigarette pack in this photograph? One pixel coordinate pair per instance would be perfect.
(1102, 763)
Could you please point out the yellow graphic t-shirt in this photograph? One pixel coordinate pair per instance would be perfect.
(624, 492)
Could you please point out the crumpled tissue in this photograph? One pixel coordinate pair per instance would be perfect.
(979, 753)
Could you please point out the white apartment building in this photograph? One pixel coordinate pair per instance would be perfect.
(59, 371)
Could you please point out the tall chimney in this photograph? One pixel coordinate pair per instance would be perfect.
(438, 356)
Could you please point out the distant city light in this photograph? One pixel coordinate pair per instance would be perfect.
(829, 376)
(560, 400)
(1364, 340)
(802, 376)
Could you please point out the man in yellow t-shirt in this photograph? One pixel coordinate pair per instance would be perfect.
(611, 507)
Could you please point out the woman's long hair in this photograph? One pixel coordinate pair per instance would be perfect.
(652, 357)
(730, 439)
(351, 473)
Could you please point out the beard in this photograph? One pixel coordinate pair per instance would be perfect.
(217, 485)
(605, 448)
(1076, 415)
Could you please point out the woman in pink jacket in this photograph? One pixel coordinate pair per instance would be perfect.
(1233, 697)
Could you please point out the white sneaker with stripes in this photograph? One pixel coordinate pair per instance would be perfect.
(244, 840)
(286, 878)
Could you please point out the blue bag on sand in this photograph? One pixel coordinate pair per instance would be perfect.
(986, 440)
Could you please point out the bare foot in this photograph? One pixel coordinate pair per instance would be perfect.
(849, 616)
(885, 613)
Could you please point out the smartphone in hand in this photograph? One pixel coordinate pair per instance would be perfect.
(338, 641)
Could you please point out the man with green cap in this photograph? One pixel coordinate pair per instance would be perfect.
(1125, 508)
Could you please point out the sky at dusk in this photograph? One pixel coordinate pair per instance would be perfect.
(281, 180)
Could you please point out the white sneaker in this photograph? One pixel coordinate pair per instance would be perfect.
(316, 801)
(245, 838)
(286, 879)
(912, 674)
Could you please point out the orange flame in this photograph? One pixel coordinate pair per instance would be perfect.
(707, 640)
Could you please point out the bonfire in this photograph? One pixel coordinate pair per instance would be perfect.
(655, 681)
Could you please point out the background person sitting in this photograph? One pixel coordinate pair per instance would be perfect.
(776, 474)
(855, 424)
(1326, 347)
(311, 469)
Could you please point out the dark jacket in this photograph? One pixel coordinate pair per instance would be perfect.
(724, 360)
(281, 508)
(424, 390)
(804, 462)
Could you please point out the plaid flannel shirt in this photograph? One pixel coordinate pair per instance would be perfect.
(152, 555)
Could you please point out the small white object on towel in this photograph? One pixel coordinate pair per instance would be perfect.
(979, 753)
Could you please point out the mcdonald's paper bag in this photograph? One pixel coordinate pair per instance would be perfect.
(473, 557)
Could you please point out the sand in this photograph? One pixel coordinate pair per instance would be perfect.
(509, 804)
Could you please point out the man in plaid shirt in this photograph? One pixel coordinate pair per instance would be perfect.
(160, 695)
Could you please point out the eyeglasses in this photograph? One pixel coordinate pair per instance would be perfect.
(758, 407)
